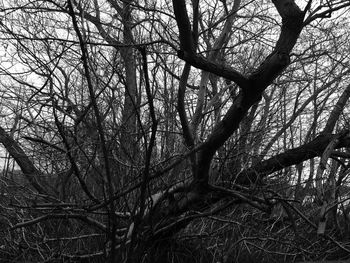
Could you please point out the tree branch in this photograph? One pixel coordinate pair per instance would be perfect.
(27, 167)
(187, 48)
(291, 157)
(273, 65)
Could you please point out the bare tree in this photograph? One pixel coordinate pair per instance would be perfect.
(139, 123)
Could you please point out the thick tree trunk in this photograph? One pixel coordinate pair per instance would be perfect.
(30, 172)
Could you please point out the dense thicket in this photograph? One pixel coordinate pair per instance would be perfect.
(174, 131)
